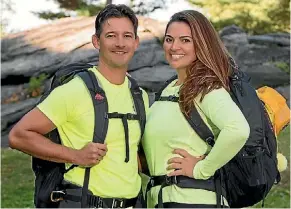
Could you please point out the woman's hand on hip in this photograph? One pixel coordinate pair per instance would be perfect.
(183, 165)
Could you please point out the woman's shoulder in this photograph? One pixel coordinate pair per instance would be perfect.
(213, 96)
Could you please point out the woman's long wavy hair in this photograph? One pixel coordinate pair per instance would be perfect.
(211, 69)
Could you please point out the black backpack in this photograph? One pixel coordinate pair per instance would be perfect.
(249, 176)
(49, 175)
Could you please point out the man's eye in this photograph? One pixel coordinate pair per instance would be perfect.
(128, 36)
(110, 36)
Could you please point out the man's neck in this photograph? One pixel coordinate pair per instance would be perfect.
(113, 75)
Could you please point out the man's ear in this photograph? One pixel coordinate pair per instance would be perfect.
(136, 42)
(95, 41)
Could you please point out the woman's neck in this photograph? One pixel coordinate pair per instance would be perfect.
(181, 76)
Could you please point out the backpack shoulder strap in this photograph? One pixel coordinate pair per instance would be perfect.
(159, 93)
(140, 110)
(100, 122)
(199, 126)
(136, 93)
(100, 105)
(194, 119)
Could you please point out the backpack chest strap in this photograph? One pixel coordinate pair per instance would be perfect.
(124, 118)
(128, 116)
(170, 98)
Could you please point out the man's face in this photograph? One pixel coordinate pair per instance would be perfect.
(117, 42)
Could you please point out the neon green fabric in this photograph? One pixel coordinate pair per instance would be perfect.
(167, 129)
(70, 108)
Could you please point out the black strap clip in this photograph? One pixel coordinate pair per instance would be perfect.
(131, 116)
(172, 98)
(209, 140)
(169, 180)
(116, 203)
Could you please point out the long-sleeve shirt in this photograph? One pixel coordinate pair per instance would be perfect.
(167, 129)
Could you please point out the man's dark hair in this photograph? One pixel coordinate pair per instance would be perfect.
(118, 11)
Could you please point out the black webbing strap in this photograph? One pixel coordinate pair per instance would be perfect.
(95, 201)
(125, 125)
(100, 130)
(138, 103)
(140, 110)
(195, 121)
(128, 116)
(199, 126)
(220, 192)
(159, 93)
(182, 182)
(124, 118)
(170, 98)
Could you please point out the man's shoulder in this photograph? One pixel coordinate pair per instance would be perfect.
(69, 90)
(76, 84)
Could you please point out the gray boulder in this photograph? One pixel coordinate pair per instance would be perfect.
(151, 78)
(232, 29)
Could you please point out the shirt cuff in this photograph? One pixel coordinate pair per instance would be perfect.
(197, 173)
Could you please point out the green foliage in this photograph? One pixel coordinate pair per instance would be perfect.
(92, 7)
(17, 180)
(283, 66)
(254, 16)
(35, 83)
(81, 7)
(89, 10)
(51, 15)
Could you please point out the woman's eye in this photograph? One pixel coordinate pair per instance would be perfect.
(168, 39)
(185, 40)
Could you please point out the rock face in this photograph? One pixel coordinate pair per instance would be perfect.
(45, 49)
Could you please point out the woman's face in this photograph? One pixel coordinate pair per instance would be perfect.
(178, 45)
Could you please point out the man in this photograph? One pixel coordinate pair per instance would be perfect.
(69, 109)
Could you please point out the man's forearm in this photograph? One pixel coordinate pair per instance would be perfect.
(41, 147)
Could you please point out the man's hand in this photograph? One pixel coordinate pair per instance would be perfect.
(90, 155)
(183, 165)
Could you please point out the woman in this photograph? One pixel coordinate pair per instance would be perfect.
(172, 147)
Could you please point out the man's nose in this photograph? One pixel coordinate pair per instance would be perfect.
(120, 42)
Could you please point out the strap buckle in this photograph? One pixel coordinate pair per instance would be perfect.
(169, 180)
(130, 116)
(172, 98)
(117, 203)
(57, 196)
(152, 182)
(210, 141)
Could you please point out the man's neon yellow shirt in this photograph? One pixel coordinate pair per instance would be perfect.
(70, 108)
(166, 129)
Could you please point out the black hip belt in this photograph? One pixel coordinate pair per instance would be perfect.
(183, 182)
(73, 193)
